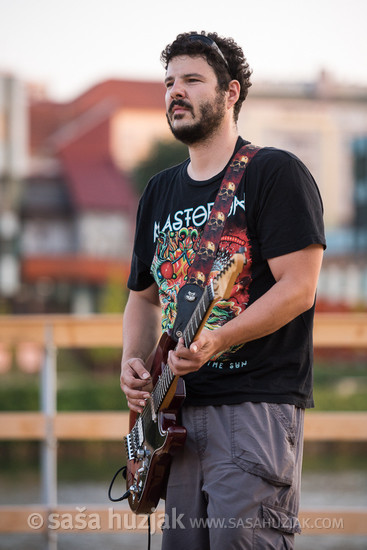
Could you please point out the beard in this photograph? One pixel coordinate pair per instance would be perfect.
(204, 126)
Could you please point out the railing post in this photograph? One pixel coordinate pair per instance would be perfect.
(49, 444)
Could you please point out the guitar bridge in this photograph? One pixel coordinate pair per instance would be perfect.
(134, 440)
(129, 447)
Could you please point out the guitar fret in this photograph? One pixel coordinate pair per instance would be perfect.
(167, 377)
(161, 388)
(189, 334)
(196, 319)
(154, 397)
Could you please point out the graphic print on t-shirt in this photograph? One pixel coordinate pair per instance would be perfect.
(174, 254)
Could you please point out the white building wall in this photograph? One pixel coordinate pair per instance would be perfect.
(320, 132)
(104, 234)
(47, 237)
(13, 127)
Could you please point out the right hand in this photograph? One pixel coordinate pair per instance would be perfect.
(136, 383)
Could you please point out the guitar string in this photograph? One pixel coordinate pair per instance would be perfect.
(166, 378)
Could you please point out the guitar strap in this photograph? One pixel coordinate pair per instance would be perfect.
(205, 255)
(199, 270)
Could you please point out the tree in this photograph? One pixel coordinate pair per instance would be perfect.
(162, 155)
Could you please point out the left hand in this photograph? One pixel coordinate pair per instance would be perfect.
(183, 360)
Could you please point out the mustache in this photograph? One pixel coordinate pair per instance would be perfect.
(179, 103)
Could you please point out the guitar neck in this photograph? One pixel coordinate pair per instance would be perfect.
(199, 316)
(166, 383)
(218, 288)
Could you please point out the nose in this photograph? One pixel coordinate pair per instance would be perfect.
(177, 90)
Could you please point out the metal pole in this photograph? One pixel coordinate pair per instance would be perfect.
(49, 444)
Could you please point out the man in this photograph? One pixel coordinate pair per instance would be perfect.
(236, 482)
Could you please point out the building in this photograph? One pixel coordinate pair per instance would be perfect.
(13, 160)
(78, 205)
(325, 124)
(359, 146)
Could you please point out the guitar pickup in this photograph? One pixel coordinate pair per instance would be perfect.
(152, 410)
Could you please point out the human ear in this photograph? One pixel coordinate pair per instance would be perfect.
(233, 93)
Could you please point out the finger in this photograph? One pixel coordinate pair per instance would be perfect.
(180, 345)
(135, 395)
(172, 361)
(182, 365)
(184, 351)
(181, 351)
(136, 401)
(134, 374)
(135, 408)
(134, 383)
(202, 343)
(194, 348)
(138, 368)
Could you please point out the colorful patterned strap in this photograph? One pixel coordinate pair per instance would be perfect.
(200, 268)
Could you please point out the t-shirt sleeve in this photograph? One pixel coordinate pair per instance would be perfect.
(140, 277)
(290, 211)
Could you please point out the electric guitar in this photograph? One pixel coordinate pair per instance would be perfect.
(155, 434)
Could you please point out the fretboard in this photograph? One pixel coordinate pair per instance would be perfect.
(198, 315)
(167, 377)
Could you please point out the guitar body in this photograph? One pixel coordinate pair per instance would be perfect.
(159, 437)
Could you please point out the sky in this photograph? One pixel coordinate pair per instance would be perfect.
(70, 45)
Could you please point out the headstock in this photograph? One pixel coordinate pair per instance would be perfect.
(223, 281)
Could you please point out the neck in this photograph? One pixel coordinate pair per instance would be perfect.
(209, 158)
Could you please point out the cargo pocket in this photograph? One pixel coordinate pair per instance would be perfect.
(276, 529)
(263, 441)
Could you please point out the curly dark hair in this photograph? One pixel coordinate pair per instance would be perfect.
(234, 66)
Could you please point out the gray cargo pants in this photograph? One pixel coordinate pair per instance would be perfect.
(235, 484)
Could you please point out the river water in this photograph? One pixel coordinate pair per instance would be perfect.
(335, 490)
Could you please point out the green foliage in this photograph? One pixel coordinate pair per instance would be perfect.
(79, 387)
(339, 385)
(112, 299)
(86, 394)
(334, 455)
(77, 461)
(20, 398)
(163, 154)
(331, 400)
(86, 460)
(114, 295)
(95, 393)
(86, 384)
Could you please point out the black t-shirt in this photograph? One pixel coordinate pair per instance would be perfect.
(277, 210)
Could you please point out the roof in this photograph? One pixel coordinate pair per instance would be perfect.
(48, 117)
(78, 135)
(96, 184)
(132, 94)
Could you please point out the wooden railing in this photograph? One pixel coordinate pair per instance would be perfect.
(331, 330)
(48, 426)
